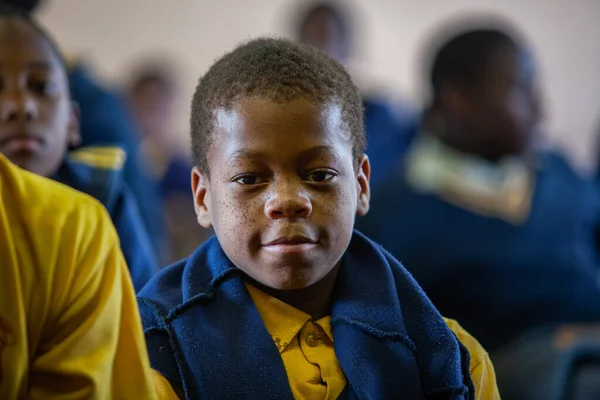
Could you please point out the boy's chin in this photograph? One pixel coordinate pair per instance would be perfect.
(32, 162)
(291, 280)
(293, 283)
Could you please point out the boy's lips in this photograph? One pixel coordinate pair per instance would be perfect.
(290, 244)
(16, 143)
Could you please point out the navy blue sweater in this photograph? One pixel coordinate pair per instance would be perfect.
(205, 335)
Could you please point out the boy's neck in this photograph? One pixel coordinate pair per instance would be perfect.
(314, 300)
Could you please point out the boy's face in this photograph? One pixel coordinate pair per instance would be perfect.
(283, 192)
(37, 118)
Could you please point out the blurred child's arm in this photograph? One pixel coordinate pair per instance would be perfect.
(135, 242)
(482, 370)
(92, 345)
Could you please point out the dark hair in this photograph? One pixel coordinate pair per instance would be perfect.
(26, 6)
(279, 70)
(9, 11)
(465, 58)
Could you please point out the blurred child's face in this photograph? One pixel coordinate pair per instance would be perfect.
(504, 108)
(37, 118)
(152, 105)
(283, 191)
(323, 31)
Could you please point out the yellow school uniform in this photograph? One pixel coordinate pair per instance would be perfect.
(69, 322)
(308, 356)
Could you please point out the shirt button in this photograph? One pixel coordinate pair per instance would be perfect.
(312, 340)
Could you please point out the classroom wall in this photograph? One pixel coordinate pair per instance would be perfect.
(111, 34)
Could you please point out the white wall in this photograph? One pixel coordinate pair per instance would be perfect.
(565, 33)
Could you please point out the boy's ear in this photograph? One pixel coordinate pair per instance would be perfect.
(201, 199)
(364, 191)
(74, 126)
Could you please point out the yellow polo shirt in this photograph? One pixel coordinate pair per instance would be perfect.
(312, 367)
(69, 323)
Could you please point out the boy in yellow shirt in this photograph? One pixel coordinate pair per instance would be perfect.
(287, 301)
(69, 323)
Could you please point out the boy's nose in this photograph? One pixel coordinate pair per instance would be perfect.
(287, 202)
(17, 106)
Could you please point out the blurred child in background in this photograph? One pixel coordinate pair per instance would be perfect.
(39, 123)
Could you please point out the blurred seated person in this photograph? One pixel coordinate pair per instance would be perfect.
(38, 125)
(327, 26)
(152, 94)
(105, 121)
(500, 232)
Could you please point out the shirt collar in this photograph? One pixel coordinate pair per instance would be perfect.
(281, 320)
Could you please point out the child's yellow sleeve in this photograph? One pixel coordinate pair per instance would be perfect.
(164, 389)
(484, 380)
(482, 370)
(92, 344)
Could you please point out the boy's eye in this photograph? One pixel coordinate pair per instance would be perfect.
(248, 180)
(319, 176)
(42, 86)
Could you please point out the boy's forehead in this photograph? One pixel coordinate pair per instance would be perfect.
(256, 112)
(307, 154)
(257, 125)
(20, 42)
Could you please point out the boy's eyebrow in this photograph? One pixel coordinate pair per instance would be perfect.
(239, 155)
(319, 151)
(36, 64)
(313, 152)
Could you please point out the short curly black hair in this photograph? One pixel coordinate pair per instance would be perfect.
(279, 70)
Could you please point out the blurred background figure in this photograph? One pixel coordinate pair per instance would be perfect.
(152, 92)
(498, 228)
(105, 120)
(329, 27)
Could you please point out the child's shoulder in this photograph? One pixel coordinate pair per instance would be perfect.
(99, 157)
(477, 351)
(39, 215)
(24, 189)
(97, 171)
(164, 292)
(176, 287)
(481, 368)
